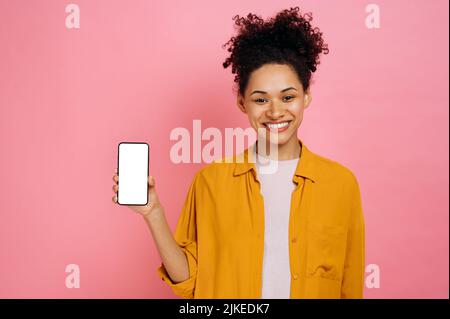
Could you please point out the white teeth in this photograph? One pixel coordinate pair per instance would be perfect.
(277, 126)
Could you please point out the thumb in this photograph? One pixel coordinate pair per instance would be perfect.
(151, 182)
(153, 196)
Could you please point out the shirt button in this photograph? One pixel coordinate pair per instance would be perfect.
(295, 276)
(294, 240)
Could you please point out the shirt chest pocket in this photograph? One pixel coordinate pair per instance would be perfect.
(325, 251)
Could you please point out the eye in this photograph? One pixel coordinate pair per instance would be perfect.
(259, 100)
(291, 97)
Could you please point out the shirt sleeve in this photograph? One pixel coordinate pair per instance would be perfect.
(186, 236)
(354, 266)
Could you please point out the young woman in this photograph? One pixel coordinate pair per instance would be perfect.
(295, 233)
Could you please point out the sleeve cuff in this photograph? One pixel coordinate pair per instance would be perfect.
(184, 289)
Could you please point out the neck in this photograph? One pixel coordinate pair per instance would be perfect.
(287, 151)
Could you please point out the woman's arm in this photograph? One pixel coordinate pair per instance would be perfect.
(181, 267)
(172, 256)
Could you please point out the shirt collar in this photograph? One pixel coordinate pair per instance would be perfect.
(305, 166)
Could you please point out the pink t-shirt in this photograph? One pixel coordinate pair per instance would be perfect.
(276, 189)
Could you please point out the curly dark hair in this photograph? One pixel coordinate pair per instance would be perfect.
(288, 38)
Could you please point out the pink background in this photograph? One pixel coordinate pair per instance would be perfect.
(135, 71)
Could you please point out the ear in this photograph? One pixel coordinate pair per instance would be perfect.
(240, 103)
(307, 98)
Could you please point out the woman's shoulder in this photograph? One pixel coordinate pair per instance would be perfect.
(329, 169)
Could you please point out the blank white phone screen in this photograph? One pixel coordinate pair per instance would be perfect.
(133, 174)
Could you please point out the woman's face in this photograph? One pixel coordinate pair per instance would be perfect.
(274, 94)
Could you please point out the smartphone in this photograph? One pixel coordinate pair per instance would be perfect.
(132, 169)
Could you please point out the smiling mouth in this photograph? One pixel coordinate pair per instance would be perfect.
(278, 125)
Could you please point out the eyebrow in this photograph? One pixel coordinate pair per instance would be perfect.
(289, 88)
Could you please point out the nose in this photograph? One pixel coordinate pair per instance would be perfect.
(275, 110)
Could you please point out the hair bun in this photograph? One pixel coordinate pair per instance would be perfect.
(287, 37)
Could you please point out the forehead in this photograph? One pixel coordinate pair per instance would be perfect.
(273, 78)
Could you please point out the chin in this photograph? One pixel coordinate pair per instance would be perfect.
(283, 138)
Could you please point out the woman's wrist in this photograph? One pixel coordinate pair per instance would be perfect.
(156, 214)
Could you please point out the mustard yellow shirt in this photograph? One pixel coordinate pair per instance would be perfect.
(221, 231)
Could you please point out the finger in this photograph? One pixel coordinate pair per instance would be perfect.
(114, 199)
(115, 188)
(116, 178)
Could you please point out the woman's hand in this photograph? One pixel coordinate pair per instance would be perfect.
(153, 200)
